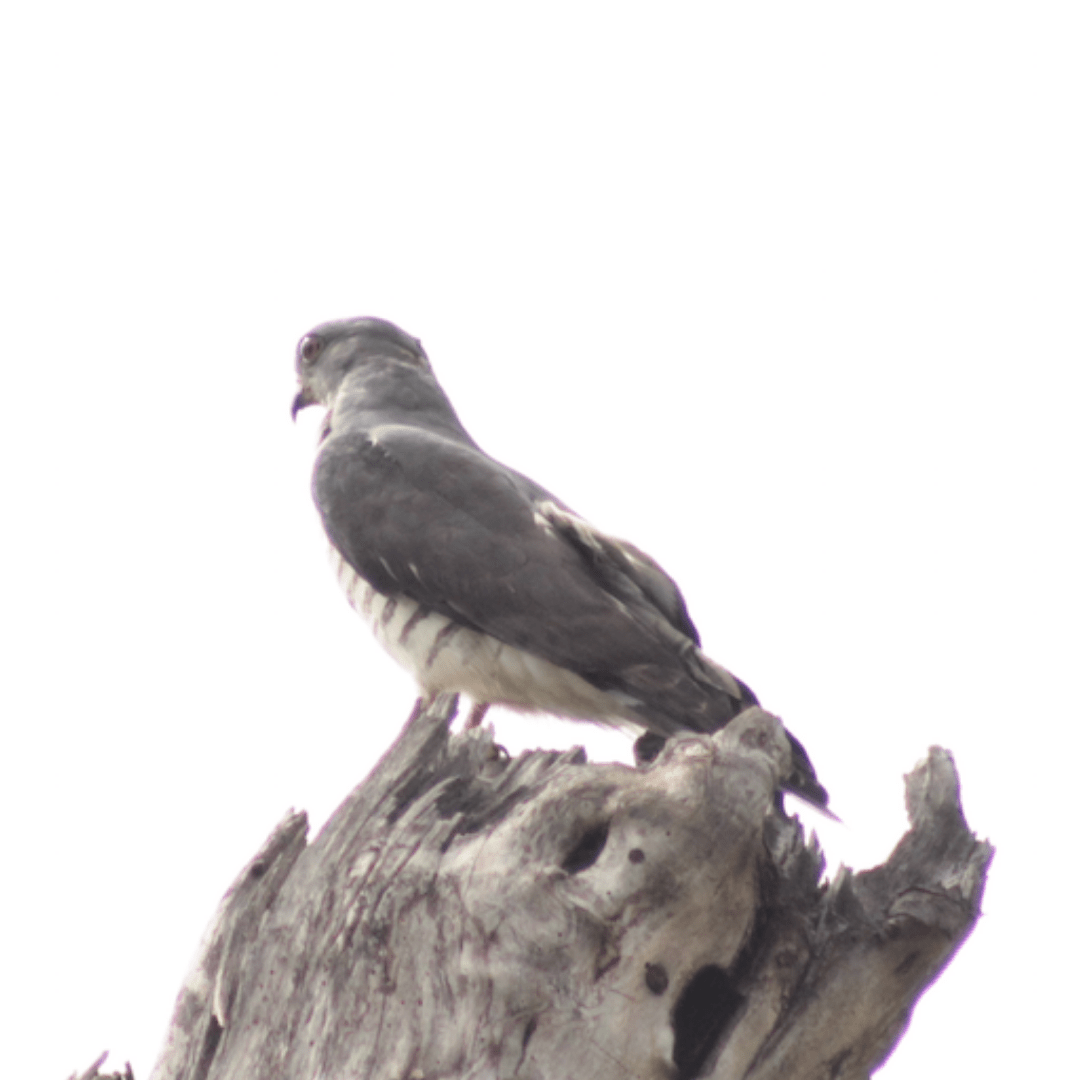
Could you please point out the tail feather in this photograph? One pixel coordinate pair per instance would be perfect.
(803, 780)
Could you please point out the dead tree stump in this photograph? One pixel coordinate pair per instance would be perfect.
(469, 915)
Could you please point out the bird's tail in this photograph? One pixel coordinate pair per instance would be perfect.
(803, 780)
(695, 693)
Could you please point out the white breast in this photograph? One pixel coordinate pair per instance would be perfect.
(445, 656)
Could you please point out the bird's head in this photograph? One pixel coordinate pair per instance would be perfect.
(332, 350)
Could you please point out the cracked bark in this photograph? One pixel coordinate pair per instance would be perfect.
(469, 915)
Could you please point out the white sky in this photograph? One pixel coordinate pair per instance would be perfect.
(785, 293)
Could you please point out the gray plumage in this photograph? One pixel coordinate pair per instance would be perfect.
(479, 580)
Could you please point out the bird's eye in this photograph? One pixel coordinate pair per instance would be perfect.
(310, 347)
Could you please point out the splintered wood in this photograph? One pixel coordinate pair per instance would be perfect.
(469, 915)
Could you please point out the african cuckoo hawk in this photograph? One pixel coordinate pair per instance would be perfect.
(479, 581)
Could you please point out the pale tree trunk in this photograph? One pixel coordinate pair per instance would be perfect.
(465, 914)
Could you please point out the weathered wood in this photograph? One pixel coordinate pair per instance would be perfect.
(465, 914)
(95, 1073)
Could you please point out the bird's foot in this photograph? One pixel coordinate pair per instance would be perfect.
(647, 748)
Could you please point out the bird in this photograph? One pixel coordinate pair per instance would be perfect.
(479, 581)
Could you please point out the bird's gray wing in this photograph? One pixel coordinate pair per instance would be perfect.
(624, 569)
(420, 514)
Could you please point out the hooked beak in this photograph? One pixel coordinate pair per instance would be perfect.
(302, 400)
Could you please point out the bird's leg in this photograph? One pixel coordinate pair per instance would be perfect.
(476, 715)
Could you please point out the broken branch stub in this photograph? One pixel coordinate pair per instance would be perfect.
(469, 915)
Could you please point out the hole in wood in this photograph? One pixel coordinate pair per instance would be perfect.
(656, 978)
(530, 1030)
(587, 850)
(704, 1009)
